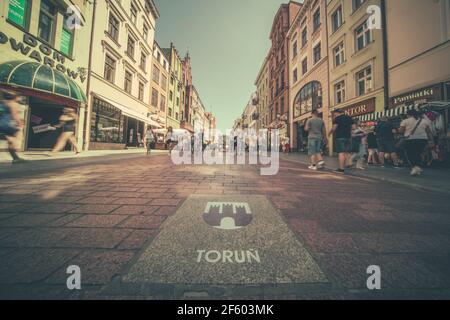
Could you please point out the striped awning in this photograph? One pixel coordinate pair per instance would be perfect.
(387, 113)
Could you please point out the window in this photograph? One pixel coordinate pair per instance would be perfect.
(308, 99)
(305, 66)
(363, 36)
(295, 75)
(128, 82)
(163, 82)
(304, 37)
(145, 32)
(172, 80)
(113, 27)
(316, 20)
(336, 19)
(338, 52)
(141, 91)
(176, 115)
(130, 47)
(294, 49)
(339, 90)
(317, 53)
(47, 18)
(162, 105)
(154, 98)
(171, 95)
(133, 12)
(170, 112)
(18, 12)
(155, 76)
(143, 64)
(178, 101)
(67, 36)
(357, 4)
(364, 81)
(110, 69)
(282, 106)
(107, 123)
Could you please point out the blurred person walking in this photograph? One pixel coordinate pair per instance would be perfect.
(386, 142)
(359, 140)
(10, 123)
(67, 122)
(372, 146)
(417, 134)
(150, 140)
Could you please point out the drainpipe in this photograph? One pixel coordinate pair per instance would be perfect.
(88, 85)
(385, 55)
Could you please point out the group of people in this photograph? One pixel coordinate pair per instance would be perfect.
(359, 144)
(11, 124)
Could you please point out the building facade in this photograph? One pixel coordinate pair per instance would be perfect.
(198, 110)
(308, 68)
(188, 120)
(176, 87)
(159, 86)
(279, 66)
(43, 59)
(262, 89)
(418, 53)
(119, 81)
(356, 59)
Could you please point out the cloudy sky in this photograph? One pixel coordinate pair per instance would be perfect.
(228, 41)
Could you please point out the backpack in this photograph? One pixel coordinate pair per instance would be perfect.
(8, 126)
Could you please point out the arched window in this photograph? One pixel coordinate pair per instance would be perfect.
(308, 99)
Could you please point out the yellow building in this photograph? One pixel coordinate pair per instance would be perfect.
(44, 58)
(120, 73)
(262, 100)
(160, 86)
(356, 60)
(176, 88)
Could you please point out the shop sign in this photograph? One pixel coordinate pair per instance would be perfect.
(359, 109)
(17, 12)
(417, 96)
(41, 53)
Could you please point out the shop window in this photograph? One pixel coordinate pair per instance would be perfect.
(308, 99)
(19, 12)
(67, 37)
(107, 123)
(47, 21)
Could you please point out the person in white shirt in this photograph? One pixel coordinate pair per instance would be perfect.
(417, 133)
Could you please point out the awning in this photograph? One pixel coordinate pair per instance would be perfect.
(129, 112)
(39, 77)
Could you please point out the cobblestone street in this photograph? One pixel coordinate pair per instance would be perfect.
(109, 216)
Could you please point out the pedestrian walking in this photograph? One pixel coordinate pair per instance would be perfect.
(317, 136)
(287, 145)
(359, 141)
(417, 134)
(67, 122)
(150, 140)
(372, 146)
(342, 128)
(10, 122)
(170, 139)
(386, 142)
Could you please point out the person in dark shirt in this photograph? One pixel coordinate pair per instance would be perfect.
(342, 129)
(386, 143)
(372, 145)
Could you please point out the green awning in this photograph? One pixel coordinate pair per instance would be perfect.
(40, 77)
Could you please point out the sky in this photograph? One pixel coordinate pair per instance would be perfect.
(227, 40)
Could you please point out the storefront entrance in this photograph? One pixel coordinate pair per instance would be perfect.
(42, 115)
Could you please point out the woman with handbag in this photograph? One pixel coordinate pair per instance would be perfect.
(417, 134)
(10, 122)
